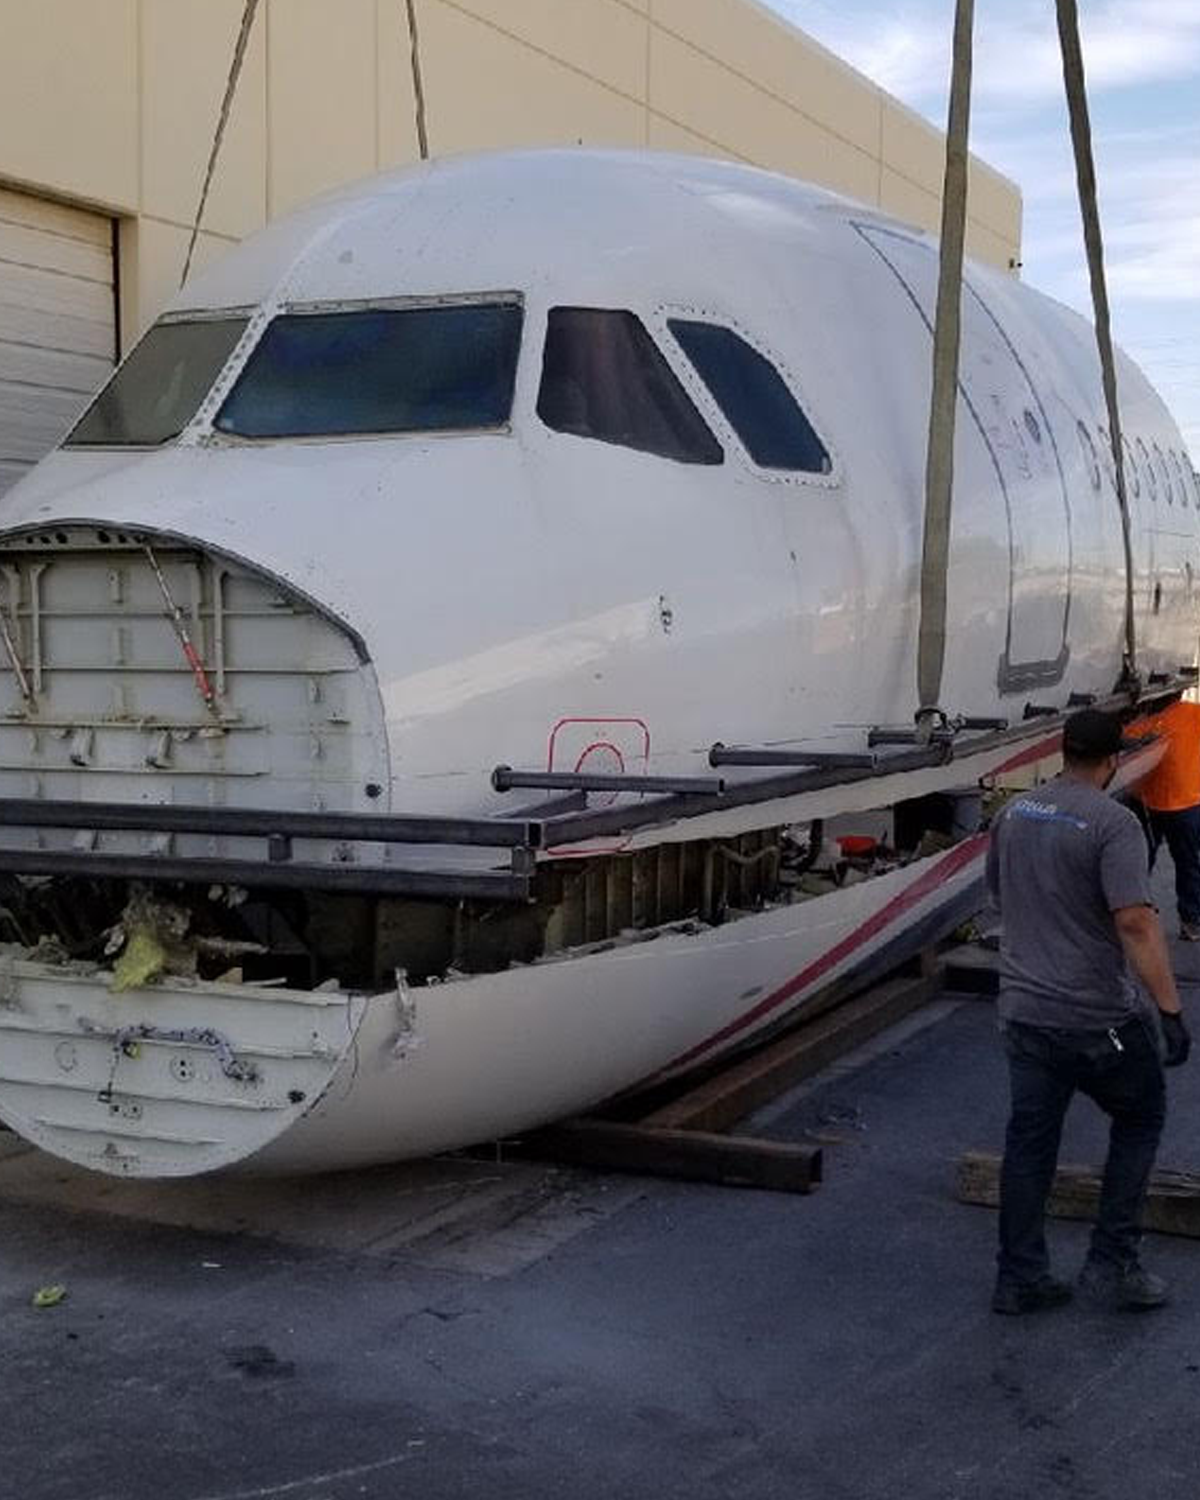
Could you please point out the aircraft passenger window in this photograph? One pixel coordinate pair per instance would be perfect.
(1163, 474)
(1177, 471)
(1132, 478)
(157, 391)
(449, 368)
(1106, 456)
(1090, 458)
(1148, 467)
(604, 377)
(754, 397)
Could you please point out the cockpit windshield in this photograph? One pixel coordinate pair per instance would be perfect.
(158, 390)
(449, 367)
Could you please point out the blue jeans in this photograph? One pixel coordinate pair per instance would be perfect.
(1181, 830)
(1046, 1067)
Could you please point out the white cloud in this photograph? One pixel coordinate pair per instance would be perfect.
(1143, 65)
(907, 48)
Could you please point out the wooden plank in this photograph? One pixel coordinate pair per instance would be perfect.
(742, 1087)
(693, 1155)
(1172, 1204)
(972, 970)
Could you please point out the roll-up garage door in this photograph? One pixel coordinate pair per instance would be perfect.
(57, 323)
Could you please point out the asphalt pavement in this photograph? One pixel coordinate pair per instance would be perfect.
(605, 1337)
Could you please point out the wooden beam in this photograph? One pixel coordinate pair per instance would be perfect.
(1172, 1204)
(730, 1161)
(972, 970)
(744, 1086)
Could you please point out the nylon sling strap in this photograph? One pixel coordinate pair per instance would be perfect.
(1085, 172)
(231, 83)
(414, 39)
(939, 467)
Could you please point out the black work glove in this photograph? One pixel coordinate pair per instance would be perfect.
(1177, 1040)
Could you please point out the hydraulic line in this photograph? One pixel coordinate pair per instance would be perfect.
(175, 615)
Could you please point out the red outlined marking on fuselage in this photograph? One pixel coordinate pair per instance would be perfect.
(631, 752)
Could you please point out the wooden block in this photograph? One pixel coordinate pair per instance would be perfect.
(731, 1161)
(742, 1087)
(971, 970)
(1172, 1203)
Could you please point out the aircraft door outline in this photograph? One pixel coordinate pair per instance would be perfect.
(1018, 436)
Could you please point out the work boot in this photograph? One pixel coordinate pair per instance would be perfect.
(1189, 932)
(1015, 1297)
(1117, 1288)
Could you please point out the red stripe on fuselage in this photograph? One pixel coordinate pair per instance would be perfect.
(1041, 751)
(957, 859)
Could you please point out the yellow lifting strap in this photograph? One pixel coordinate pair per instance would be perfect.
(939, 466)
(1085, 173)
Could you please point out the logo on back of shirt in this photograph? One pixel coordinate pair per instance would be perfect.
(1045, 812)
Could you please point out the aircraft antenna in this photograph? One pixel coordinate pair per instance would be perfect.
(1085, 172)
(231, 83)
(939, 466)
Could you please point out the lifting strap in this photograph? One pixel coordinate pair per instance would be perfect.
(414, 38)
(939, 467)
(1085, 172)
(231, 83)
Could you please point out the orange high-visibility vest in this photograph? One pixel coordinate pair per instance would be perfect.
(1175, 782)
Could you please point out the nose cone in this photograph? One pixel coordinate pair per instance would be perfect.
(163, 1082)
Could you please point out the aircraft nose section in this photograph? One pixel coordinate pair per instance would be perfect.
(166, 1080)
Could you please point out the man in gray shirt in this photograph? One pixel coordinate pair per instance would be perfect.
(1068, 870)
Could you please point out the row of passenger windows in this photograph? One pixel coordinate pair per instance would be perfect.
(1167, 474)
(452, 368)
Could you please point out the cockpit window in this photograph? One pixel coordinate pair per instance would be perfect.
(157, 391)
(604, 377)
(754, 397)
(444, 368)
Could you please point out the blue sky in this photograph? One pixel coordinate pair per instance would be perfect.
(1143, 61)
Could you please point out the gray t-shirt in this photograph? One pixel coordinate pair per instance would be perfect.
(1063, 858)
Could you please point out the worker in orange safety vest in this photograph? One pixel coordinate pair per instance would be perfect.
(1171, 797)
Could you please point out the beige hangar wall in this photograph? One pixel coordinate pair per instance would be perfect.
(111, 104)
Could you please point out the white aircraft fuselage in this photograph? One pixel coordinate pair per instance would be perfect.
(615, 545)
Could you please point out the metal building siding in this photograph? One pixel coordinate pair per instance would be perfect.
(57, 323)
